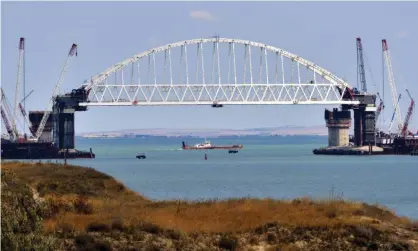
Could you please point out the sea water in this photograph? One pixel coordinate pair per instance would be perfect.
(267, 166)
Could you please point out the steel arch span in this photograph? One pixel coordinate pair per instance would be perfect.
(216, 70)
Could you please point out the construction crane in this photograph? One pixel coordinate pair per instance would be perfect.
(408, 115)
(5, 113)
(24, 114)
(392, 84)
(379, 108)
(19, 79)
(393, 115)
(360, 66)
(72, 52)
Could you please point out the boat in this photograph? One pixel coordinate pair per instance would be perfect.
(207, 145)
(141, 156)
(233, 151)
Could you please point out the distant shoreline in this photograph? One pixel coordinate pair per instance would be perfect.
(129, 136)
(319, 130)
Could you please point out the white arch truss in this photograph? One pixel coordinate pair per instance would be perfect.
(227, 75)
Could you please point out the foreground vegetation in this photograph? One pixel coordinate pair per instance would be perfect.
(57, 207)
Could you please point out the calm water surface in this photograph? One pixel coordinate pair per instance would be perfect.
(276, 167)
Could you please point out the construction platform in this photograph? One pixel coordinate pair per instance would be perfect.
(350, 150)
(39, 150)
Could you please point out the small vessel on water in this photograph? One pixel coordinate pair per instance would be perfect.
(141, 156)
(207, 145)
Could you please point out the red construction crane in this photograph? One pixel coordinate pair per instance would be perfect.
(408, 115)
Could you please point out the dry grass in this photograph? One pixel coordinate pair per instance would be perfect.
(109, 199)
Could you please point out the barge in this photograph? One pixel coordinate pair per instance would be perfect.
(39, 150)
(207, 145)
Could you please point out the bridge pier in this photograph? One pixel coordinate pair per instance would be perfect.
(63, 118)
(338, 123)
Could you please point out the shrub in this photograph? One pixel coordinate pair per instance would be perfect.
(85, 242)
(21, 218)
(228, 243)
(253, 240)
(117, 224)
(363, 231)
(150, 228)
(271, 238)
(53, 206)
(138, 236)
(413, 226)
(173, 234)
(359, 212)
(97, 227)
(331, 212)
(82, 206)
(65, 228)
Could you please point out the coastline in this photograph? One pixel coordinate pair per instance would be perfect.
(80, 208)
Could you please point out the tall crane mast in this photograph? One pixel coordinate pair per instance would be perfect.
(19, 79)
(408, 115)
(392, 84)
(47, 112)
(360, 65)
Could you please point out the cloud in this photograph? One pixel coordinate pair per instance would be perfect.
(203, 15)
(403, 34)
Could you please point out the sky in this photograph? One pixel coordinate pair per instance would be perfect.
(109, 32)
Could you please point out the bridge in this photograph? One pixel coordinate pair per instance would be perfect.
(216, 71)
(220, 71)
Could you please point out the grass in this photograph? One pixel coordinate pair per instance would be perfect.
(105, 198)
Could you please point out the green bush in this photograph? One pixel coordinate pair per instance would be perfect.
(21, 222)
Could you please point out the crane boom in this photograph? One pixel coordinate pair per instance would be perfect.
(7, 123)
(24, 114)
(392, 84)
(5, 113)
(393, 115)
(19, 78)
(360, 65)
(47, 112)
(380, 107)
(408, 115)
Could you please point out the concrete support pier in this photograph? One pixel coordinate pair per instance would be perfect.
(338, 123)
